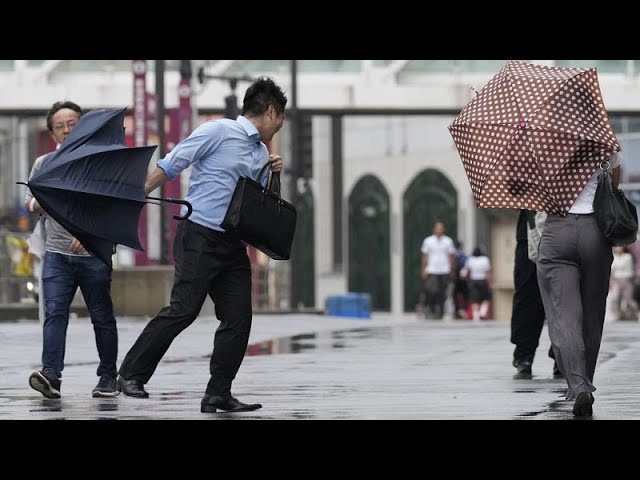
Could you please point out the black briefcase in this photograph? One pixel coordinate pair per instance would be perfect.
(260, 217)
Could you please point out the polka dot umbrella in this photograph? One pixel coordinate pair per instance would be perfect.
(533, 136)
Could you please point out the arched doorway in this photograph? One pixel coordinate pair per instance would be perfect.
(369, 252)
(430, 197)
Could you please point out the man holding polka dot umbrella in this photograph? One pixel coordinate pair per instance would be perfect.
(534, 138)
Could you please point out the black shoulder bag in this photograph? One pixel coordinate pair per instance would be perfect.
(616, 216)
(260, 217)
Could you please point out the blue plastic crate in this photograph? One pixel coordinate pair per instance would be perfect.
(356, 305)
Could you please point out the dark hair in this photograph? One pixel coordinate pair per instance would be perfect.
(477, 252)
(56, 107)
(262, 93)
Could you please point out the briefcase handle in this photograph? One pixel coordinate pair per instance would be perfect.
(274, 180)
(274, 183)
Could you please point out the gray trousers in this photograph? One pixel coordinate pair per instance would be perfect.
(573, 267)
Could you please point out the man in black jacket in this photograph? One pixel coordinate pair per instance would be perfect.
(527, 316)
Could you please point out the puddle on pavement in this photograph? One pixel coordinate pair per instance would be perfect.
(330, 340)
(558, 409)
(108, 407)
(531, 414)
(48, 405)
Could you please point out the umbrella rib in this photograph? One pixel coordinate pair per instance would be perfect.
(533, 153)
(137, 191)
(117, 197)
(569, 134)
(513, 93)
(483, 124)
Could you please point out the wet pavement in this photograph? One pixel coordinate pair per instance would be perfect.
(319, 367)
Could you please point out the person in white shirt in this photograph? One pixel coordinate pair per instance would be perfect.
(478, 271)
(621, 285)
(438, 257)
(573, 268)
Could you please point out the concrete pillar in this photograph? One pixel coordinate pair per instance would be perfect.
(397, 254)
(503, 244)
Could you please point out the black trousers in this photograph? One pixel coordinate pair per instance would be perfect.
(435, 291)
(527, 315)
(207, 262)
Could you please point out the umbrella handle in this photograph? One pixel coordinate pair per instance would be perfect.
(179, 202)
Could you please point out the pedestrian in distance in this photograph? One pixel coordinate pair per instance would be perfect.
(438, 264)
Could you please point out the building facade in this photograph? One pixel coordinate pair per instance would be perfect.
(381, 170)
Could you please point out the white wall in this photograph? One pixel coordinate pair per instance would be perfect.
(328, 281)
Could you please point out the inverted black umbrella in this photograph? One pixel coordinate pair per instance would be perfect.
(93, 185)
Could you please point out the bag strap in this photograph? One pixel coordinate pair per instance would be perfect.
(605, 165)
(273, 183)
(262, 170)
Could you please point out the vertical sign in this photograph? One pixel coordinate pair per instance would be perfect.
(139, 69)
(153, 213)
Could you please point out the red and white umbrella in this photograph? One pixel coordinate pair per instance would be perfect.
(533, 136)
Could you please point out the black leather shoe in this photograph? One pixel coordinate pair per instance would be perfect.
(132, 388)
(211, 403)
(583, 405)
(523, 366)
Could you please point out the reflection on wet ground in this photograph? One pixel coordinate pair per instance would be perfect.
(411, 370)
(309, 341)
(48, 405)
(110, 406)
(557, 409)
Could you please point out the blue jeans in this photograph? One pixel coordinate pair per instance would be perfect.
(61, 277)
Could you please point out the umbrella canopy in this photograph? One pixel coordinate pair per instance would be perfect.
(93, 185)
(533, 136)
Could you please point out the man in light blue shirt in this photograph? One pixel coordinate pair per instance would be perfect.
(219, 152)
(208, 260)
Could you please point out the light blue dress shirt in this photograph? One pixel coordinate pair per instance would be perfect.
(219, 152)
